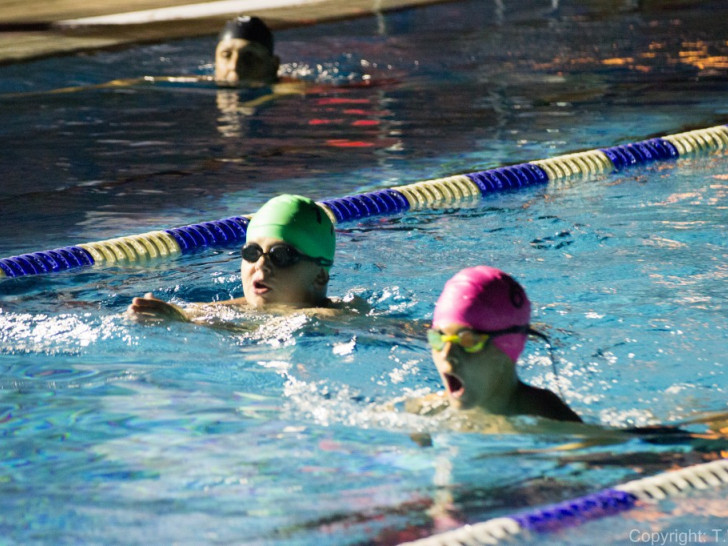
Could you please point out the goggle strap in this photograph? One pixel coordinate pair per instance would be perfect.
(323, 262)
(523, 329)
(536, 333)
(550, 348)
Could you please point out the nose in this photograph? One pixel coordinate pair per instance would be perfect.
(264, 262)
(231, 73)
(450, 353)
(445, 366)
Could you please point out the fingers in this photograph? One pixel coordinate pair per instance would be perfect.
(146, 303)
(152, 309)
(141, 312)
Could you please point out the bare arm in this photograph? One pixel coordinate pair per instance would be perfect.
(151, 309)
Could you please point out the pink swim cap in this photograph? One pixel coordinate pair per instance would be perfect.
(486, 299)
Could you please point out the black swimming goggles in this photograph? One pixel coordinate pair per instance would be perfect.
(281, 255)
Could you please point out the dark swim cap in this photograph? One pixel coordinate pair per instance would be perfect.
(252, 29)
(298, 221)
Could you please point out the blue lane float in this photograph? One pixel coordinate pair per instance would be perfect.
(509, 178)
(131, 249)
(453, 191)
(48, 261)
(226, 232)
(647, 151)
(376, 203)
(557, 517)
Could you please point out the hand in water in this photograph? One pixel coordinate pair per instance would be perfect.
(151, 309)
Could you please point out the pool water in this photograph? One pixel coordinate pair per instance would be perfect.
(114, 432)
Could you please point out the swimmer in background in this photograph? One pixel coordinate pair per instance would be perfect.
(479, 329)
(244, 53)
(243, 58)
(288, 252)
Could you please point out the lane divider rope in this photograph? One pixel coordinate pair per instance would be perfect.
(579, 510)
(458, 190)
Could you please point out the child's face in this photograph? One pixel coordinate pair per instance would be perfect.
(472, 379)
(302, 284)
(237, 59)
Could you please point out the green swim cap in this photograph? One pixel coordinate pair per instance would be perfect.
(297, 220)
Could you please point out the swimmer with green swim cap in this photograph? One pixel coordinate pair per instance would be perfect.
(298, 221)
(288, 252)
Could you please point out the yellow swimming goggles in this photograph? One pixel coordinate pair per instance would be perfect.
(472, 341)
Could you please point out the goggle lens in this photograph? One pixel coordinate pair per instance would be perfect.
(470, 341)
(280, 255)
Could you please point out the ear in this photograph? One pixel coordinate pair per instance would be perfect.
(322, 278)
(274, 66)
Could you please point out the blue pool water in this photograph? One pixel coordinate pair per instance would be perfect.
(114, 432)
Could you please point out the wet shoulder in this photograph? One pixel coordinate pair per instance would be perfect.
(428, 405)
(354, 304)
(543, 403)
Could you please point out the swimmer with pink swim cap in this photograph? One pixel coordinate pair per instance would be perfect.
(479, 329)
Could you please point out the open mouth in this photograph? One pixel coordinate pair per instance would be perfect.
(260, 287)
(454, 385)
